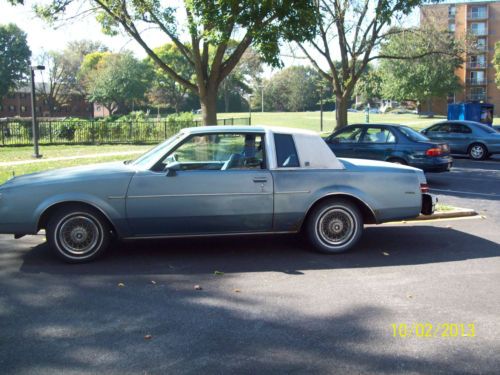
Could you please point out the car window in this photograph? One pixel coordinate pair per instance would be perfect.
(378, 135)
(440, 128)
(412, 134)
(286, 153)
(460, 128)
(349, 135)
(219, 151)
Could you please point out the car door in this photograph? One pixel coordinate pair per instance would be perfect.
(211, 183)
(376, 143)
(460, 138)
(343, 142)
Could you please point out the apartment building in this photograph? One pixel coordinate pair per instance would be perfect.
(477, 75)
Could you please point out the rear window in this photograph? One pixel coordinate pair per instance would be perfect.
(286, 153)
(486, 128)
(412, 134)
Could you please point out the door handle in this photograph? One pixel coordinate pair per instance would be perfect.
(259, 179)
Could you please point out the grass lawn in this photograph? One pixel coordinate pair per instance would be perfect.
(24, 153)
(7, 172)
(311, 120)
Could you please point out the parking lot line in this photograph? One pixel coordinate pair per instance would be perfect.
(465, 192)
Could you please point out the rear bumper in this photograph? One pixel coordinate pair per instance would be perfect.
(438, 164)
(428, 204)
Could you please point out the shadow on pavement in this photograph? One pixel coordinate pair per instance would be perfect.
(406, 245)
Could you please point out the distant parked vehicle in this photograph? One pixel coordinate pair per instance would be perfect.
(352, 110)
(393, 143)
(477, 140)
(375, 110)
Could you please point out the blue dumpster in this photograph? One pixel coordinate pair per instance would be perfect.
(479, 112)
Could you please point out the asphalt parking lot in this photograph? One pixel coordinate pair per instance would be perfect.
(273, 306)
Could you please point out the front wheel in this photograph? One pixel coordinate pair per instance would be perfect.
(78, 234)
(335, 226)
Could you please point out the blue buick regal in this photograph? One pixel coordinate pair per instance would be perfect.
(214, 181)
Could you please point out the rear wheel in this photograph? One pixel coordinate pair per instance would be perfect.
(335, 226)
(478, 151)
(78, 234)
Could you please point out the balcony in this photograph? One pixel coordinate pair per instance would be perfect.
(476, 97)
(477, 65)
(476, 81)
(474, 16)
(478, 32)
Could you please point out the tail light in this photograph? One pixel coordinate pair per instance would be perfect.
(435, 151)
(424, 188)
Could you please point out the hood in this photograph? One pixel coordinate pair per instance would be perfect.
(86, 172)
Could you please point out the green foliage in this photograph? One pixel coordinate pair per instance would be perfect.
(14, 57)
(421, 79)
(496, 63)
(292, 89)
(369, 86)
(114, 80)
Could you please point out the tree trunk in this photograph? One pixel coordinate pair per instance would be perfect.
(208, 104)
(341, 111)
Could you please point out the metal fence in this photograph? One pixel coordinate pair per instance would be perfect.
(16, 132)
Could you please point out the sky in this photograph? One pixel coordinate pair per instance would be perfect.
(42, 37)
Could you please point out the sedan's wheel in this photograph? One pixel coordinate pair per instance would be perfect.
(335, 226)
(477, 151)
(78, 234)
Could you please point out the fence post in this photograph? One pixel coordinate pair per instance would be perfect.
(3, 132)
(50, 132)
(165, 129)
(92, 132)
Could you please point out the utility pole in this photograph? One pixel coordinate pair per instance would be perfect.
(34, 124)
(321, 107)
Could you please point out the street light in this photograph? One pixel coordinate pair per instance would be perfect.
(249, 100)
(34, 124)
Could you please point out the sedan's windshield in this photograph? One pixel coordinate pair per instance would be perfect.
(412, 134)
(156, 153)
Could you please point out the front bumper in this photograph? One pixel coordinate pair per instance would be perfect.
(429, 202)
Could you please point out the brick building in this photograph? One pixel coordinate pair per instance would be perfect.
(477, 74)
(18, 104)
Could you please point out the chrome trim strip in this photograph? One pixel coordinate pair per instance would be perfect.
(193, 195)
(206, 235)
(116, 197)
(294, 192)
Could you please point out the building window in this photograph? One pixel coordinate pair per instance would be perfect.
(478, 12)
(22, 95)
(477, 77)
(478, 61)
(23, 108)
(477, 93)
(481, 44)
(452, 10)
(12, 108)
(45, 102)
(478, 28)
(451, 27)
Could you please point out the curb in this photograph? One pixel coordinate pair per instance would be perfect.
(458, 212)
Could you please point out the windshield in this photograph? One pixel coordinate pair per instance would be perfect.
(412, 134)
(156, 153)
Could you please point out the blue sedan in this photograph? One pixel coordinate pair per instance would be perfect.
(471, 138)
(393, 143)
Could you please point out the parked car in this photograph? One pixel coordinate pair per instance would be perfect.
(215, 180)
(393, 143)
(477, 140)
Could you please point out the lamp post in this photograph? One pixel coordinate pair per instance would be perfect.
(249, 100)
(34, 124)
(262, 98)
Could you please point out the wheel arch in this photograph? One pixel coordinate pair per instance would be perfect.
(46, 213)
(367, 212)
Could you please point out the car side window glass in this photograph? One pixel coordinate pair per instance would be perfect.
(286, 153)
(222, 151)
(349, 135)
(378, 135)
(440, 128)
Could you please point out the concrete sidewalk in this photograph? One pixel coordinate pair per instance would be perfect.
(87, 156)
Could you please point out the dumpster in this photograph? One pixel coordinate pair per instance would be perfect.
(479, 112)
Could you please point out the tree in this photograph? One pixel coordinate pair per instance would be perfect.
(353, 29)
(292, 89)
(369, 86)
(165, 90)
(114, 80)
(424, 78)
(496, 63)
(209, 24)
(14, 57)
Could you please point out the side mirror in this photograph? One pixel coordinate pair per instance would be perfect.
(172, 169)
